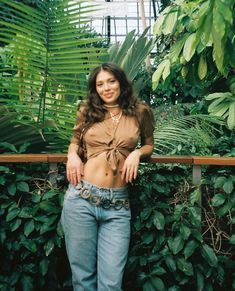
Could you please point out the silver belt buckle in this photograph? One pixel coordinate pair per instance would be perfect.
(118, 204)
(85, 193)
(95, 200)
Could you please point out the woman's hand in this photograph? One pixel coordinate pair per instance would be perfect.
(74, 168)
(130, 167)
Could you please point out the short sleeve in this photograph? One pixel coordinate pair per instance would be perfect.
(78, 125)
(147, 125)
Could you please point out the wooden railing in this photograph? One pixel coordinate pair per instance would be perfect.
(60, 158)
(195, 161)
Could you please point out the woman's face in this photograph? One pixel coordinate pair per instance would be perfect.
(108, 87)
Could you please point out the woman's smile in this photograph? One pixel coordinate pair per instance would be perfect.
(108, 95)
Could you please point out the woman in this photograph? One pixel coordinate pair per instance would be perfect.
(96, 212)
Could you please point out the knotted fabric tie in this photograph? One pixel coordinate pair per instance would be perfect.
(113, 156)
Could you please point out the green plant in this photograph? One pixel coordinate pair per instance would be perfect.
(174, 244)
(177, 242)
(178, 132)
(17, 131)
(30, 231)
(46, 57)
(131, 54)
(223, 105)
(202, 38)
(199, 37)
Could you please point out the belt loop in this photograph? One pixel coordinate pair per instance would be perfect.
(111, 194)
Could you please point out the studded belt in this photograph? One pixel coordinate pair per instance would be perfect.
(99, 200)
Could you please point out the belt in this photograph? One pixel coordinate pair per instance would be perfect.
(99, 200)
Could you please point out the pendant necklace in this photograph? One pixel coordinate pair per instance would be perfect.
(115, 118)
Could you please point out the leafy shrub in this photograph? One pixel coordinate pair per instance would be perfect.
(30, 231)
(173, 247)
(178, 242)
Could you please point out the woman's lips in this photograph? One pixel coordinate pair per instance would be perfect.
(108, 95)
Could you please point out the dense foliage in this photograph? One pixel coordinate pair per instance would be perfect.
(30, 233)
(200, 45)
(177, 242)
(46, 53)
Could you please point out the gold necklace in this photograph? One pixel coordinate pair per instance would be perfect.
(115, 118)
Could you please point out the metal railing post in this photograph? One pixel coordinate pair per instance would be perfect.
(197, 177)
(53, 173)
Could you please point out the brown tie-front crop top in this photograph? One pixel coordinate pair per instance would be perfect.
(116, 140)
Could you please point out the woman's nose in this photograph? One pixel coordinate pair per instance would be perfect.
(106, 86)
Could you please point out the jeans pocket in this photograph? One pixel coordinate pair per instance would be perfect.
(72, 192)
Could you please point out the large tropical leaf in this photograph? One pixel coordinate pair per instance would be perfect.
(223, 105)
(202, 39)
(48, 52)
(15, 132)
(195, 133)
(131, 54)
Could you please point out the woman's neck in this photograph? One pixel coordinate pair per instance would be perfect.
(111, 105)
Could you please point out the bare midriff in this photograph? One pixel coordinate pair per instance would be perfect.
(97, 171)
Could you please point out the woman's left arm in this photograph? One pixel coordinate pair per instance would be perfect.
(131, 164)
(147, 125)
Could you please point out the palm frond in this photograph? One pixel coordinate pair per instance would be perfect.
(16, 132)
(131, 54)
(49, 53)
(199, 130)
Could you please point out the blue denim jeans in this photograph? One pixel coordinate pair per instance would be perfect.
(97, 239)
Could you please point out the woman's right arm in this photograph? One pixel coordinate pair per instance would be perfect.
(74, 166)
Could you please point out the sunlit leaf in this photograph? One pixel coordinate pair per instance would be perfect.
(202, 67)
(231, 116)
(189, 47)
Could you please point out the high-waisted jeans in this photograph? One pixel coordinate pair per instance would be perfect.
(97, 239)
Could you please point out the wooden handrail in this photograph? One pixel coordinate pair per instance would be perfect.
(61, 158)
(222, 161)
(33, 158)
(171, 160)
